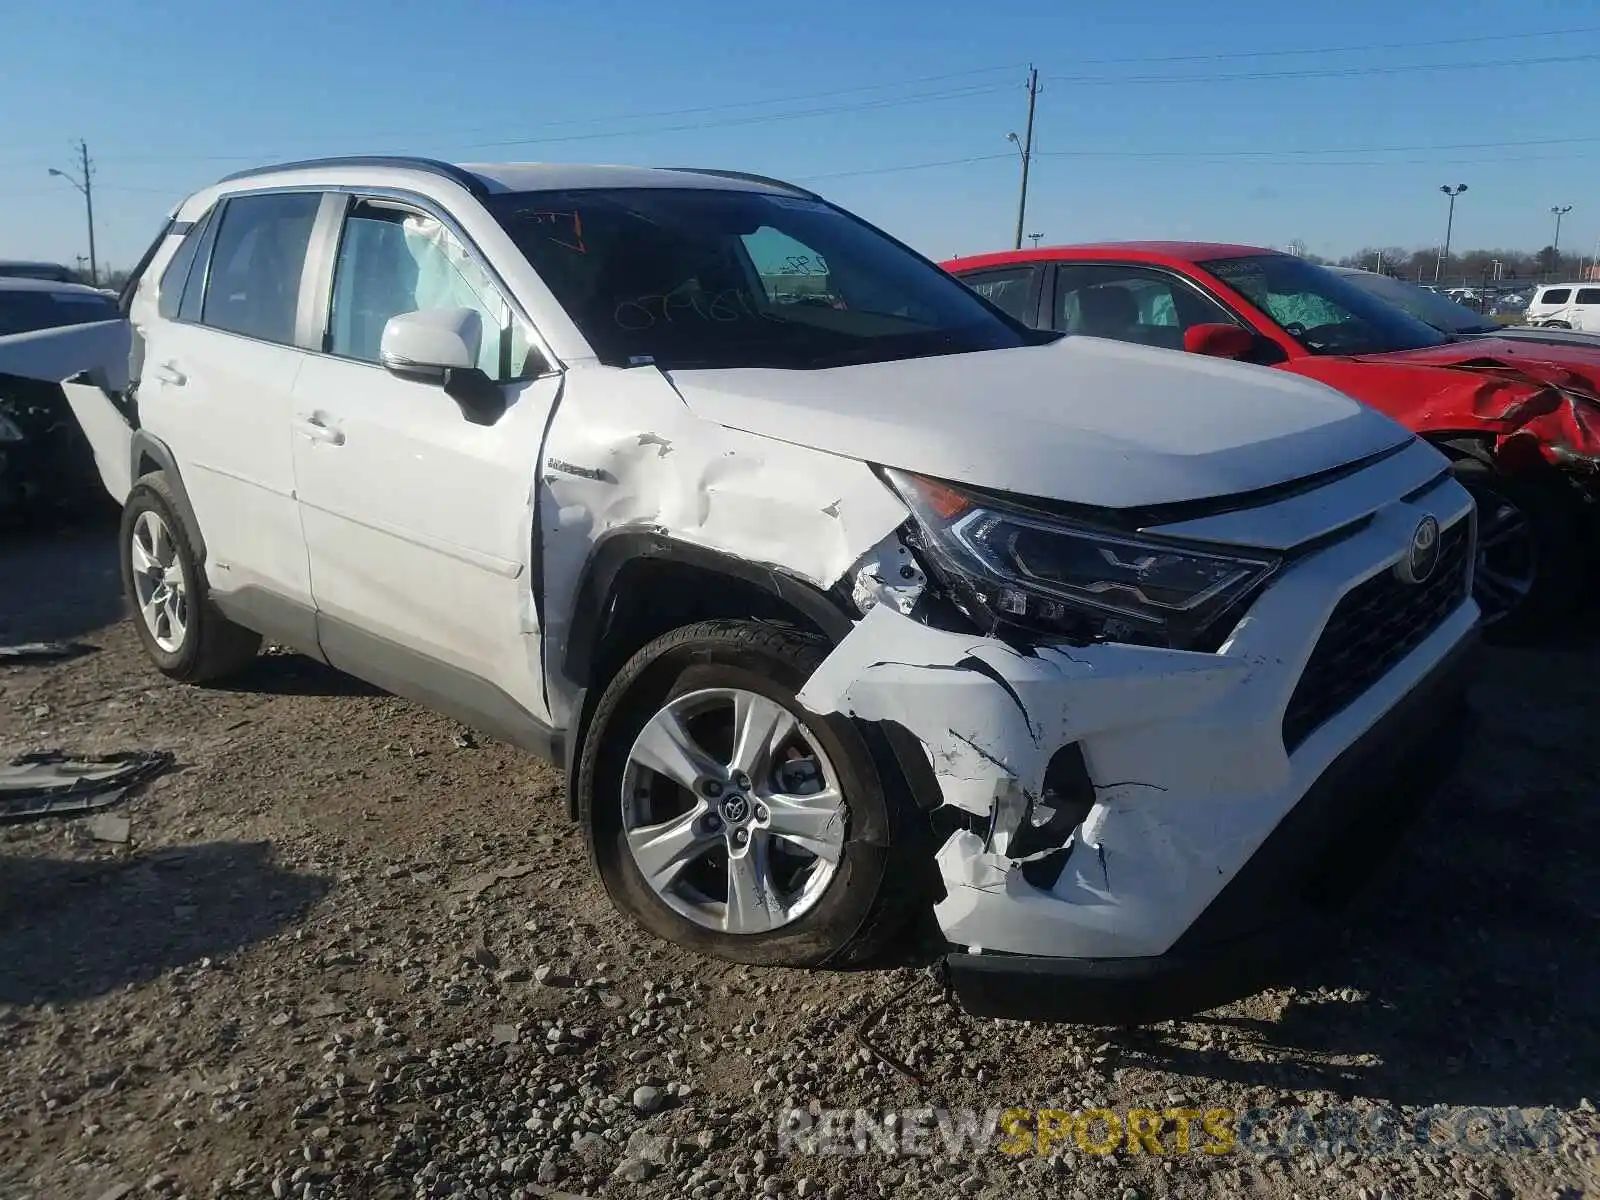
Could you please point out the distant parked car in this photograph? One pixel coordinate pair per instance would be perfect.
(1520, 420)
(44, 457)
(52, 272)
(1566, 306)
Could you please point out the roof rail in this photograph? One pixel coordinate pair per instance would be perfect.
(431, 165)
(747, 177)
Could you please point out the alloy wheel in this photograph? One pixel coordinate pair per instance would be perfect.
(732, 812)
(158, 582)
(1508, 559)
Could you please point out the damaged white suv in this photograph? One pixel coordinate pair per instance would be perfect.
(837, 592)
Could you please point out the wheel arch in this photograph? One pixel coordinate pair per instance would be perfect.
(148, 454)
(639, 584)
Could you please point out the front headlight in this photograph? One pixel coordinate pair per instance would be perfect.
(1059, 579)
(8, 430)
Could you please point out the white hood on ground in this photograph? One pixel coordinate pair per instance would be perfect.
(1084, 420)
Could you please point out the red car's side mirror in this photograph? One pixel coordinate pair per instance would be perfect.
(1218, 340)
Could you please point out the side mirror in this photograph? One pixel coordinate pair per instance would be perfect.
(1219, 340)
(440, 346)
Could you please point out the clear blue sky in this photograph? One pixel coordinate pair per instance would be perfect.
(1159, 118)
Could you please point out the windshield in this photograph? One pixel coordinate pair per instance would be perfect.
(1322, 311)
(702, 277)
(24, 312)
(1439, 311)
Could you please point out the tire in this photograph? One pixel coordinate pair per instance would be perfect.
(194, 643)
(884, 864)
(1553, 558)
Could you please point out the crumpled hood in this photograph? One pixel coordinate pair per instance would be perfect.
(1084, 420)
(1518, 352)
(53, 355)
(1547, 394)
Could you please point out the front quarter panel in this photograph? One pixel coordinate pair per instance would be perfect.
(625, 453)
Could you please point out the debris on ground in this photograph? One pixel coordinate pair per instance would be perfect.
(53, 783)
(35, 652)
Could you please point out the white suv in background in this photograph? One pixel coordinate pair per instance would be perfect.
(837, 592)
(1566, 306)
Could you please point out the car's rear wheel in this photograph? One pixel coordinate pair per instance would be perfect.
(723, 816)
(1531, 550)
(182, 631)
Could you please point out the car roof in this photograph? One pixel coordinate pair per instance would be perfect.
(17, 283)
(489, 178)
(1575, 284)
(1153, 251)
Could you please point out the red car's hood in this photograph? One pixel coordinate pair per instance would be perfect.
(1533, 391)
(1584, 361)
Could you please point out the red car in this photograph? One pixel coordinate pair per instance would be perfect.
(1520, 419)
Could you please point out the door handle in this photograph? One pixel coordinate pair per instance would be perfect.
(313, 430)
(167, 373)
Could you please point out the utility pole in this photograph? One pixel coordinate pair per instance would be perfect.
(86, 186)
(1025, 145)
(1558, 211)
(1449, 225)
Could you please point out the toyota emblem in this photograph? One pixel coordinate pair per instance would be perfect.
(1422, 557)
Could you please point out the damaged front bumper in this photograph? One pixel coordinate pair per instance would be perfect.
(1282, 909)
(1133, 833)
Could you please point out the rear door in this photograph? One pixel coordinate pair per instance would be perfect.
(219, 365)
(1014, 289)
(417, 520)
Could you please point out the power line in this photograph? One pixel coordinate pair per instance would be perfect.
(919, 166)
(1320, 152)
(1370, 46)
(660, 114)
(1327, 72)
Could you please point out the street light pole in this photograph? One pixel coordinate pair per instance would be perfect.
(1558, 211)
(1024, 144)
(1036, 237)
(1449, 226)
(86, 186)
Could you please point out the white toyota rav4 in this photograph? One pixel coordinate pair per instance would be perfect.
(837, 593)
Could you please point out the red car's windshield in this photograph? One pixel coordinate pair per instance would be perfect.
(1322, 311)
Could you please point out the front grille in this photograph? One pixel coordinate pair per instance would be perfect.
(1375, 626)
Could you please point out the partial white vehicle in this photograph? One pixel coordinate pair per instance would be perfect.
(837, 592)
(1566, 306)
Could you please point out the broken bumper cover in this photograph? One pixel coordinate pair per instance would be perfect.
(1282, 909)
(1189, 762)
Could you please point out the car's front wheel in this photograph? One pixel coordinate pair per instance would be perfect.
(182, 631)
(723, 816)
(1530, 571)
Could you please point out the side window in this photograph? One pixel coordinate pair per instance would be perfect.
(194, 288)
(395, 260)
(1006, 289)
(790, 271)
(1556, 296)
(169, 291)
(1588, 296)
(253, 286)
(1132, 304)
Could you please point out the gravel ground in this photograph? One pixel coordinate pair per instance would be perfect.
(348, 951)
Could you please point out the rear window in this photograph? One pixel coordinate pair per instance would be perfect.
(24, 312)
(1555, 296)
(253, 286)
(1589, 295)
